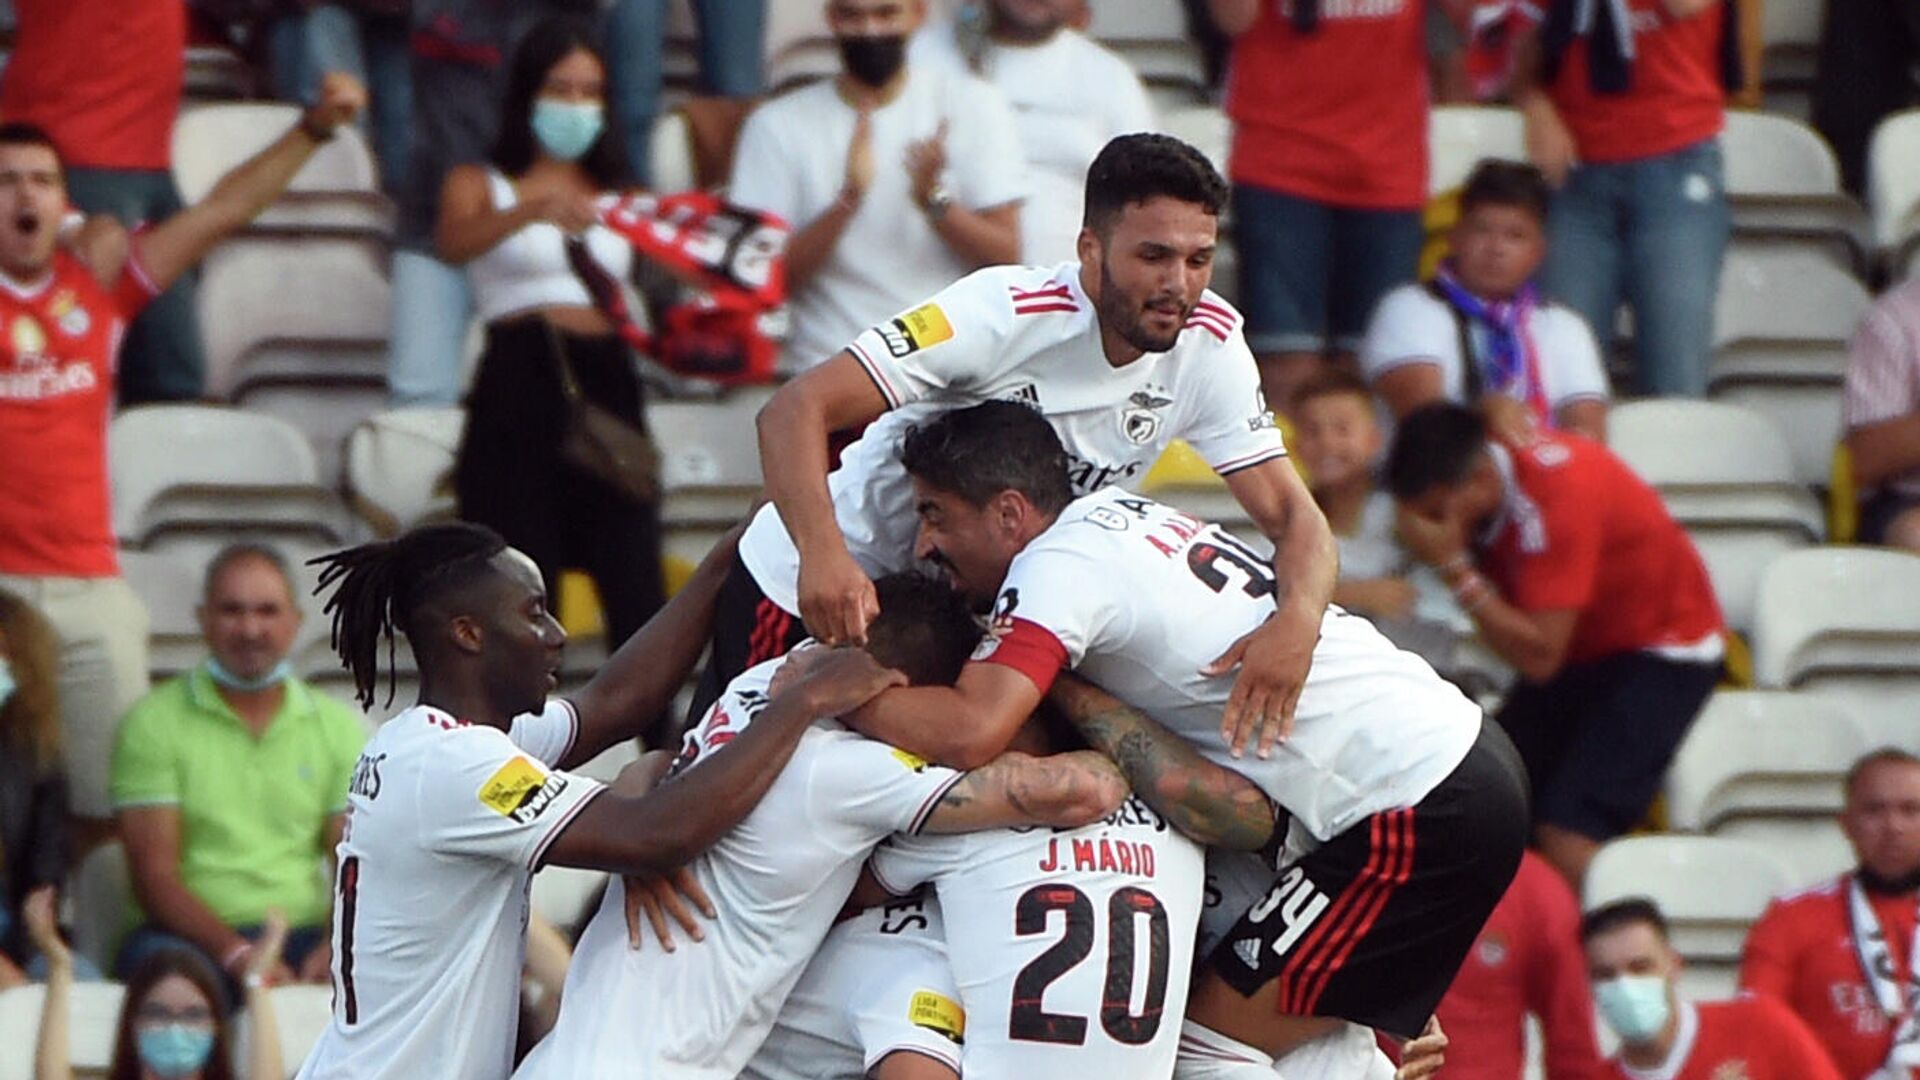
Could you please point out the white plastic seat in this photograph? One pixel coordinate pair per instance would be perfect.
(1714, 464)
(561, 893)
(1768, 766)
(170, 588)
(199, 467)
(1786, 294)
(257, 292)
(1783, 182)
(99, 895)
(1843, 623)
(1711, 889)
(1123, 23)
(1459, 136)
(1735, 556)
(337, 190)
(1893, 184)
(670, 153)
(1208, 130)
(398, 467)
(302, 1013)
(93, 1015)
(326, 412)
(710, 460)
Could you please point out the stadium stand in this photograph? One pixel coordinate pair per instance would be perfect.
(1460, 135)
(1727, 476)
(1893, 190)
(336, 192)
(100, 895)
(1841, 623)
(95, 1010)
(1790, 36)
(1784, 185)
(1768, 766)
(1711, 889)
(397, 467)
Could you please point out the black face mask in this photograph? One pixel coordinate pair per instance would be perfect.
(874, 60)
(1905, 885)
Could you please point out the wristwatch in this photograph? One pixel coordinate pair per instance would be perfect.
(938, 200)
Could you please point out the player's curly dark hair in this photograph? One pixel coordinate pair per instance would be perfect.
(985, 449)
(384, 585)
(1134, 168)
(924, 630)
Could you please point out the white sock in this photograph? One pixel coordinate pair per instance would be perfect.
(1205, 1054)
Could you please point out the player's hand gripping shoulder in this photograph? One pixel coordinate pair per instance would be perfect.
(1065, 791)
(1215, 806)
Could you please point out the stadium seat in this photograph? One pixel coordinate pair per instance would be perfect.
(561, 894)
(1153, 38)
(399, 467)
(302, 1013)
(1727, 477)
(1790, 39)
(170, 588)
(1459, 136)
(216, 73)
(670, 153)
(1784, 183)
(1843, 624)
(92, 1018)
(1893, 184)
(201, 468)
(292, 309)
(1710, 888)
(1206, 128)
(337, 190)
(99, 896)
(1182, 478)
(710, 459)
(1768, 766)
(1782, 322)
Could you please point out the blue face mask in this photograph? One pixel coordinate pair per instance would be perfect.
(1635, 1006)
(174, 1050)
(7, 685)
(218, 672)
(567, 129)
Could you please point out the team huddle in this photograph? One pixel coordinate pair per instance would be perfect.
(1167, 815)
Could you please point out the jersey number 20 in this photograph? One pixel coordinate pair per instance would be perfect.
(1031, 1022)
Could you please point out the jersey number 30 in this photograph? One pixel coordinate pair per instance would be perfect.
(1031, 1022)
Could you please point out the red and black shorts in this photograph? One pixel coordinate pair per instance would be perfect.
(1373, 925)
(748, 629)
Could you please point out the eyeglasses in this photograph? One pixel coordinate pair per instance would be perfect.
(192, 1015)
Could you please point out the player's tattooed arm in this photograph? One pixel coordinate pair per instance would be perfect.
(1216, 806)
(1062, 790)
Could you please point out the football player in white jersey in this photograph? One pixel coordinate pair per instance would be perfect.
(877, 1000)
(778, 879)
(1122, 351)
(1405, 810)
(457, 801)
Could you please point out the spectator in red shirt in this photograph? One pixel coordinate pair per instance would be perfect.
(62, 317)
(1573, 573)
(1633, 967)
(1624, 101)
(1841, 955)
(1527, 961)
(104, 81)
(1329, 168)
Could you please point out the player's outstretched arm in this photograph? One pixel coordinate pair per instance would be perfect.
(836, 598)
(637, 683)
(1216, 806)
(671, 824)
(963, 726)
(1274, 658)
(172, 247)
(1065, 791)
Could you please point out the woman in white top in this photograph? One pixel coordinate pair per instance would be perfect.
(511, 222)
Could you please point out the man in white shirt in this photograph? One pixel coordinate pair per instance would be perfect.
(1405, 810)
(457, 801)
(896, 179)
(780, 877)
(1480, 333)
(1122, 352)
(1069, 94)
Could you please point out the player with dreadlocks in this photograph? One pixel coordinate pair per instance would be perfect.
(458, 800)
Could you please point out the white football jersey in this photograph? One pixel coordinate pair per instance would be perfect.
(1072, 948)
(879, 985)
(1138, 597)
(446, 822)
(1026, 334)
(777, 881)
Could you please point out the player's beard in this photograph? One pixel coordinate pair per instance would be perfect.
(1125, 314)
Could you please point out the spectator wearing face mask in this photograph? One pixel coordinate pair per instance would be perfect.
(230, 785)
(898, 179)
(1663, 1037)
(525, 227)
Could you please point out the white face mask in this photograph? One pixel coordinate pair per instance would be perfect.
(1634, 1006)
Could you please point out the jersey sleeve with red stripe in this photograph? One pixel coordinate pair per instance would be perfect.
(1230, 426)
(1053, 609)
(1551, 561)
(955, 339)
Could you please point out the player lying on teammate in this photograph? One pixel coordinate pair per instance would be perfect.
(779, 878)
(456, 801)
(1406, 812)
(1123, 351)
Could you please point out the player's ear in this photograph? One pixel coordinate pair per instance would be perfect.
(1088, 247)
(466, 634)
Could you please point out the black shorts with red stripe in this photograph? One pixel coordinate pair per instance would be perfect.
(1373, 925)
(748, 630)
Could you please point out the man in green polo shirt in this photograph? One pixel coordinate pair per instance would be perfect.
(230, 783)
